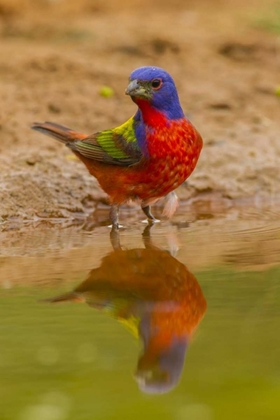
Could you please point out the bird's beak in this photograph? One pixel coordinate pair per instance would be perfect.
(136, 89)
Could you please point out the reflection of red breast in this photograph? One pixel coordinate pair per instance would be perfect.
(180, 322)
(152, 275)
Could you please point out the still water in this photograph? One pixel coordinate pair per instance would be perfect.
(180, 321)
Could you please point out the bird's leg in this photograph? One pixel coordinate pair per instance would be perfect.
(114, 216)
(147, 212)
(145, 205)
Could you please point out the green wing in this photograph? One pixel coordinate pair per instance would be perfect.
(117, 146)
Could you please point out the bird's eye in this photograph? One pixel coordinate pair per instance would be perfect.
(156, 83)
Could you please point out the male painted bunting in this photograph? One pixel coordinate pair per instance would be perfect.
(149, 155)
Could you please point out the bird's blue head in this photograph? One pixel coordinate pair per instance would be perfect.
(156, 86)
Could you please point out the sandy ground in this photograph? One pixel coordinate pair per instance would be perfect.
(55, 58)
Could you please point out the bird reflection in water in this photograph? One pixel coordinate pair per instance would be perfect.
(156, 297)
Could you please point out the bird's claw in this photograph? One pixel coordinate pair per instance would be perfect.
(151, 221)
(115, 226)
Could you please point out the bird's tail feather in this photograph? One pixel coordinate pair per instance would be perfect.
(59, 132)
(171, 204)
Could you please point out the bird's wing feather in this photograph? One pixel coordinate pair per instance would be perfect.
(117, 146)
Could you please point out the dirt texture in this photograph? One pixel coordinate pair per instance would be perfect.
(56, 57)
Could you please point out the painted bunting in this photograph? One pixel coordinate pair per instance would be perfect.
(157, 298)
(149, 155)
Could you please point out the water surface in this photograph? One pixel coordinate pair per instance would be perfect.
(181, 322)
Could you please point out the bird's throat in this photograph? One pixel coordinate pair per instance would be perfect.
(150, 115)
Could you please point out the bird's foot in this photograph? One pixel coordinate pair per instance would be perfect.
(147, 211)
(115, 226)
(151, 221)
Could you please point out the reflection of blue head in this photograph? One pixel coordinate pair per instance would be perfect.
(160, 373)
